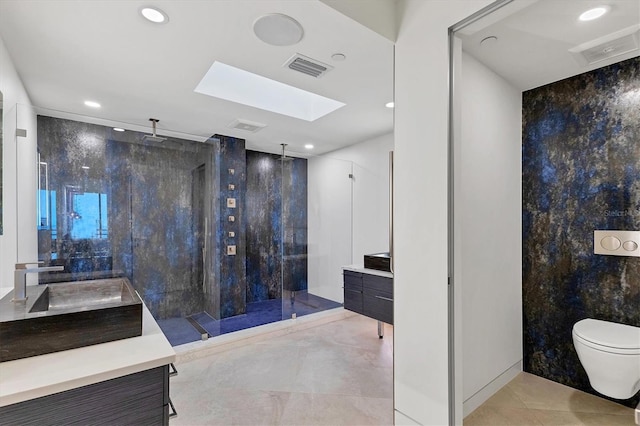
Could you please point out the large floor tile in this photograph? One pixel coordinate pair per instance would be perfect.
(233, 407)
(501, 416)
(533, 400)
(336, 373)
(320, 409)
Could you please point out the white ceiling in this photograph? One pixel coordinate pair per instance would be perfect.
(69, 51)
(534, 38)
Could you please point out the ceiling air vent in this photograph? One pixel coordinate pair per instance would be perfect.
(307, 66)
(609, 46)
(246, 125)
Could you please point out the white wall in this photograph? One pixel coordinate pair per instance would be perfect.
(341, 234)
(488, 218)
(329, 225)
(420, 215)
(16, 107)
(370, 194)
(379, 15)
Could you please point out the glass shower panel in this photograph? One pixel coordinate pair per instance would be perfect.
(124, 204)
(317, 237)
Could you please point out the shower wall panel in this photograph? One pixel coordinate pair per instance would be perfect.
(276, 208)
(147, 224)
(230, 217)
(580, 173)
(264, 221)
(294, 197)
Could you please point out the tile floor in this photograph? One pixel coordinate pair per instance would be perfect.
(338, 373)
(532, 400)
(179, 331)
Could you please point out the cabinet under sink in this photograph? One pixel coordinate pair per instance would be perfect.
(369, 294)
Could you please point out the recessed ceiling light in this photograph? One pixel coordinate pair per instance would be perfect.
(338, 57)
(236, 85)
(118, 129)
(390, 104)
(86, 167)
(277, 29)
(309, 146)
(594, 13)
(92, 104)
(154, 15)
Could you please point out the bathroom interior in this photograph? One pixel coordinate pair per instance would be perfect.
(546, 153)
(218, 232)
(186, 203)
(531, 184)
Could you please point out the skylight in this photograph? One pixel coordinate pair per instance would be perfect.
(243, 87)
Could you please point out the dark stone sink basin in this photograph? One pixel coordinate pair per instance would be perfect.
(84, 295)
(62, 316)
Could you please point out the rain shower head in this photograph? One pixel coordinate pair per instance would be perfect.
(284, 157)
(153, 137)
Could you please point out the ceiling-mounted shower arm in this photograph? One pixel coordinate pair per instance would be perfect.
(153, 138)
(154, 122)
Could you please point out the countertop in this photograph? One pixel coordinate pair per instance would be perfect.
(29, 378)
(363, 270)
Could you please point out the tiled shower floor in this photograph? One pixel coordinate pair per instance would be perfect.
(179, 331)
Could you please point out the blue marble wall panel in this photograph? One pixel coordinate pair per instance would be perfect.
(167, 223)
(264, 220)
(232, 275)
(580, 173)
(269, 220)
(150, 231)
(295, 225)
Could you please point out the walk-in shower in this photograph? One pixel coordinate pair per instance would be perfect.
(214, 237)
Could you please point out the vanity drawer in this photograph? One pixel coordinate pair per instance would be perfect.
(378, 284)
(352, 280)
(378, 306)
(353, 300)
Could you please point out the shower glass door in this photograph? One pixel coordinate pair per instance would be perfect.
(316, 233)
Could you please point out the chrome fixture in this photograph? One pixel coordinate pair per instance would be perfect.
(153, 137)
(20, 278)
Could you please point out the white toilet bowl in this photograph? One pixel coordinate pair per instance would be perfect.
(610, 354)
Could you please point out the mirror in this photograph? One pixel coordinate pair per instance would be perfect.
(1, 114)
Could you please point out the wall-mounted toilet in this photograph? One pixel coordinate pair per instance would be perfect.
(610, 354)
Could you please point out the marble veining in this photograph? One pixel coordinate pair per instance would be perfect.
(580, 173)
(119, 203)
(158, 213)
(276, 225)
(232, 273)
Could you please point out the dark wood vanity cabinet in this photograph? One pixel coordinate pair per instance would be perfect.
(136, 399)
(368, 294)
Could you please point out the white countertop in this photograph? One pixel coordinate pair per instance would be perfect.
(361, 269)
(29, 378)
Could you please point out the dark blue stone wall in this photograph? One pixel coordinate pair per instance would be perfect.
(580, 173)
(151, 232)
(167, 224)
(232, 274)
(267, 217)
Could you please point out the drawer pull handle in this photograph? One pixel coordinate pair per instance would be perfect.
(173, 412)
(173, 371)
(384, 298)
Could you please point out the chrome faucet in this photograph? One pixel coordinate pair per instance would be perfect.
(20, 278)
